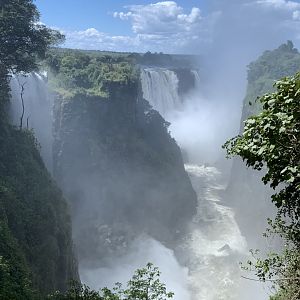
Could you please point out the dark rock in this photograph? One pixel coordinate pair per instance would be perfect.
(117, 163)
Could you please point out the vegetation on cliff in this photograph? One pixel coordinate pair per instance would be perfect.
(23, 40)
(88, 72)
(118, 141)
(35, 245)
(246, 193)
(91, 72)
(36, 254)
(271, 66)
(270, 142)
(115, 159)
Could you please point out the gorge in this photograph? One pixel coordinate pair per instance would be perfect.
(124, 176)
(115, 182)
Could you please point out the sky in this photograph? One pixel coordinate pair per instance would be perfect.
(182, 26)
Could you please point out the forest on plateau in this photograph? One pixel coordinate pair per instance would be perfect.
(118, 184)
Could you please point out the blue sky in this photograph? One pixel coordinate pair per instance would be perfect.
(182, 26)
(82, 14)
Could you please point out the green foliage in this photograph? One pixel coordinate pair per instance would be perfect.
(35, 233)
(88, 73)
(36, 230)
(271, 142)
(272, 65)
(14, 275)
(92, 72)
(144, 285)
(22, 38)
(77, 291)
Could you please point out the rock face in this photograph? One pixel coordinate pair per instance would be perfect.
(35, 229)
(123, 173)
(187, 80)
(246, 192)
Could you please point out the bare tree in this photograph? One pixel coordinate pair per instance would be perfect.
(23, 105)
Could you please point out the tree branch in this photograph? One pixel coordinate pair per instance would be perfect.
(272, 280)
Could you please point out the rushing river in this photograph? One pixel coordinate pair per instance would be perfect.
(215, 246)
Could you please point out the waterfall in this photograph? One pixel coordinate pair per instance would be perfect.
(214, 245)
(160, 89)
(38, 105)
(197, 79)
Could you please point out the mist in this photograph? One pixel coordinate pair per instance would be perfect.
(143, 249)
(38, 114)
(141, 191)
(240, 31)
(203, 125)
(210, 114)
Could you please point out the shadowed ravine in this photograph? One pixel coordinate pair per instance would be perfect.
(214, 246)
(204, 263)
(149, 150)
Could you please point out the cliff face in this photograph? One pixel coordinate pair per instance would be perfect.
(120, 169)
(246, 192)
(36, 250)
(186, 80)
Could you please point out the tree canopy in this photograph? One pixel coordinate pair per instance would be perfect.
(88, 72)
(271, 142)
(144, 285)
(23, 39)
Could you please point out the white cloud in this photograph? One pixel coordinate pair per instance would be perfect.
(280, 4)
(296, 15)
(122, 15)
(162, 26)
(160, 18)
(92, 39)
(165, 26)
(192, 17)
(166, 23)
(286, 15)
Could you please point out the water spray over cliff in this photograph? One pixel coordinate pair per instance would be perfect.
(204, 258)
(214, 245)
(160, 89)
(37, 112)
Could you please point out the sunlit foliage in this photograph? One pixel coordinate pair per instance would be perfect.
(144, 285)
(271, 142)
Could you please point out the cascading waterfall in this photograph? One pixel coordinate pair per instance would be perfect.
(214, 245)
(197, 79)
(38, 104)
(160, 89)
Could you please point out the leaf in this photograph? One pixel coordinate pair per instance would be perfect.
(282, 129)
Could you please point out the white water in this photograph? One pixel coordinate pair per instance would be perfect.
(197, 80)
(38, 104)
(160, 89)
(215, 245)
(209, 254)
